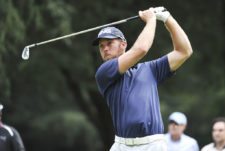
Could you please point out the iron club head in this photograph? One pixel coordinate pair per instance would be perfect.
(26, 53)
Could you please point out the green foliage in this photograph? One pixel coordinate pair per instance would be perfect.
(72, 127)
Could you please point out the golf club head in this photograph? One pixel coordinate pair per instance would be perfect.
(26, 53)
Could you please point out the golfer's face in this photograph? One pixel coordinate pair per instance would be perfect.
(111, 48)
(218, 132)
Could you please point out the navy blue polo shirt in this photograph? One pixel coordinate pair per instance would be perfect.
(132, 97)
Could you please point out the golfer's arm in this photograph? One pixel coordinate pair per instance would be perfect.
(182, 47)
(140, 47)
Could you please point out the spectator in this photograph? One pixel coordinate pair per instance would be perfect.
(218, 135)
(10, 139)
(176, 139)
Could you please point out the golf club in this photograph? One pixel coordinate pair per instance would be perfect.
(26, 50)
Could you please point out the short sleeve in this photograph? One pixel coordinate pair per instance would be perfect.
(107, 74)
(160, 68)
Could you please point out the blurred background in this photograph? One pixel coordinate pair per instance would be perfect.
(52, 98)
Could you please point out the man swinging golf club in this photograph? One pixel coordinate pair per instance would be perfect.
(130, 88)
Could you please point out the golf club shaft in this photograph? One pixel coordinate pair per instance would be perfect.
(85, 31)
(26, 50)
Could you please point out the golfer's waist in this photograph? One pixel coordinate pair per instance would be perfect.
(140, 140)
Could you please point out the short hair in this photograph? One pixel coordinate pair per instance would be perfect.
(218, 119)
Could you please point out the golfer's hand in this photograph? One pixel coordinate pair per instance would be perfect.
(147, 15)
(161, 14)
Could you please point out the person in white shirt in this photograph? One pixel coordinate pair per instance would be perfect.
(218, 135)
(175, 138)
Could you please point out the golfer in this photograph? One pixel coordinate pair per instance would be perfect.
(130, 88)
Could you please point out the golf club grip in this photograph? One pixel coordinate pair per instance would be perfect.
(137, 16)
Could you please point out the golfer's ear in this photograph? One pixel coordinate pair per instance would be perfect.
(124, 44)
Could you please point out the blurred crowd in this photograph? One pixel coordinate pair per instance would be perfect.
(176, 139)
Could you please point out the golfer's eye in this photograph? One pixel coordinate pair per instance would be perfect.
(109, 43)
(101, 46)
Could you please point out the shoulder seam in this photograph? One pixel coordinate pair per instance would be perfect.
(8, 129)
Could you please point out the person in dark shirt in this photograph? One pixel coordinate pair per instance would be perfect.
(10, 139)
(130, 88)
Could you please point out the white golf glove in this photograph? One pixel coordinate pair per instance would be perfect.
(161, 14)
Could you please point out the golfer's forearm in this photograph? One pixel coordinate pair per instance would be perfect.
(146, 37)
(180, 40)
(140, 47)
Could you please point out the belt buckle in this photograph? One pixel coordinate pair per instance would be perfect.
(139, 141)
(129, 141)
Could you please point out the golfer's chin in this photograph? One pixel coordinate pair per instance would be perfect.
(108, 58)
